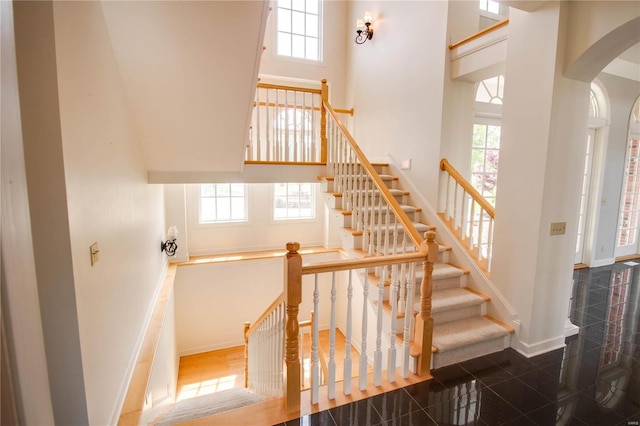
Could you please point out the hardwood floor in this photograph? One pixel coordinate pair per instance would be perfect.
(215, 371)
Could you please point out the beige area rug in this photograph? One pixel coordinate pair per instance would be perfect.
(207, 405)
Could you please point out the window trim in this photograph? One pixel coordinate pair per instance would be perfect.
(247, 208)
(304, 60)
(289, 220)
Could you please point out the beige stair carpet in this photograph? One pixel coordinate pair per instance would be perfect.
(207, 405)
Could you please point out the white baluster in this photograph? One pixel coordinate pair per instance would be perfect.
(365, 225)
(347, 355)
(447, 201)
(395, 284)
(480, 227)
(363, 344)
(471, 221)
(407, 322)
(332, 340)
(489, 244)
(315, 341)
(377, 355)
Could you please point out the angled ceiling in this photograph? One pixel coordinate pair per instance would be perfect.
(189, 69)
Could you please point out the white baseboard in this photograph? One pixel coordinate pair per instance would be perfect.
(602, 262)
(538, 348)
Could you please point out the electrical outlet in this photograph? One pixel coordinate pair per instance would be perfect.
(94, 253)
(558, 228)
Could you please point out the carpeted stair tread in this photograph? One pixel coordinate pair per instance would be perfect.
(207, 405)
(452, 298)
(455, 334)
(444, 270)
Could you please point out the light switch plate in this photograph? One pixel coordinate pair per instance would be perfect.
(94, 253)
(558, 228)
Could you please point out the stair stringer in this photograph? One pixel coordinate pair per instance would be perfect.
(498, 308)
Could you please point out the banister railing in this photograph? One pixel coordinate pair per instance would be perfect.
(265, 338)
(343, 273)
(288, 124)
(468, 214)
(374, 209)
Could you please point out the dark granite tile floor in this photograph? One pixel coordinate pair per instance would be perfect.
(594, 380)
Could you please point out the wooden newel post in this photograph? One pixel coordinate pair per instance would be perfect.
(247, 326)
(323, 121)
(424, 321)
(292, 299)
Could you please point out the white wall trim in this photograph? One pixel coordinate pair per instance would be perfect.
(538, 348)
(124, 386)
(602, 262)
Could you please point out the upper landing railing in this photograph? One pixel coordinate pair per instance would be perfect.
(288, 125)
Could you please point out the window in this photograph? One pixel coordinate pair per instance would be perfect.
(485, 153)
(223, 202)
(629, 215)
(299, 27)
(485, 147)
(294, 201)
(490, 6)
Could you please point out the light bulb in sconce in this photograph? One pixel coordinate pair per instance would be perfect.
(368, 17)
(364, 30)
(170, 246)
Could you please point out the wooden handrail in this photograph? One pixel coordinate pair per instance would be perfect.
(479, 34)
(289, 88)
(366, 262)
(306, 107)
(265, 314)
(484, 204)
(393, 203)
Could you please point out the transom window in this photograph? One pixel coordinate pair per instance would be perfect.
(223, 202)
(299, 24)
(294, 201)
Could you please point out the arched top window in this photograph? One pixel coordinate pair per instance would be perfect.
(491, 90)
(594, 108)
(598, 105)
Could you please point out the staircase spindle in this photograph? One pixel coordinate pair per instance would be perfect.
(347, 355)
(377, 355)
(480, 228)
(489, 243)
(406, 345)
(363, 344)
(366, 213)
(471, 222)
(315, 342)
(391, 356)
(332, 340)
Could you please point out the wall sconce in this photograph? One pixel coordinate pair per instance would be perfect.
(170, 247)
(363, 28)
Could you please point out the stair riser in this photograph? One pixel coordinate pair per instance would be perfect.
(347, 221)
(334, 186)
(442, 359)
(458, 313)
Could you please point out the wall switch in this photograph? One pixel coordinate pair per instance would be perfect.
(558, 228)
(94, 253)
(406, 164)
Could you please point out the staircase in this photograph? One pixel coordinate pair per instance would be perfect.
(462, 330)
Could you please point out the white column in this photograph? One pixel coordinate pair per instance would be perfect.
(541, 160)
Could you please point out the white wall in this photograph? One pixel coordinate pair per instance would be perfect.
(108, 202)
(213, 301)
(332, 67)
(259, 233)
(395, 84)
(22, 322)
